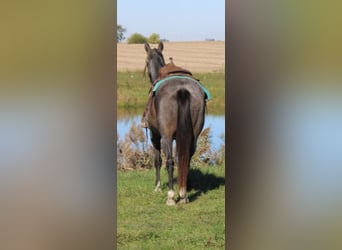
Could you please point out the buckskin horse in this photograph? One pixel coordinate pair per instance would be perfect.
(176, 111)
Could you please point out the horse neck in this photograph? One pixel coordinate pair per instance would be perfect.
(154, 71)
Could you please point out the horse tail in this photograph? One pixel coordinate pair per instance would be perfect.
(184, 139)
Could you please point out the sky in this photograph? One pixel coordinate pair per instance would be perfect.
(174, 20)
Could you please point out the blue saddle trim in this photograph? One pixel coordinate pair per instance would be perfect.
(157, 85)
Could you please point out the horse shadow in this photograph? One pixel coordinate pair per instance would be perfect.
(200, 183)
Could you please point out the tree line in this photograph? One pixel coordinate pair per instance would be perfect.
(135, 37)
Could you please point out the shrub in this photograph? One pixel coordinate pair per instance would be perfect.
(204, 155)
(154, 38)
(137, 38)
(133, 152)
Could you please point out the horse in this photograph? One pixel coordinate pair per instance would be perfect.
(176, 112)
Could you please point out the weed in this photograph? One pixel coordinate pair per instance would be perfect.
(133, 152)
(204, 154)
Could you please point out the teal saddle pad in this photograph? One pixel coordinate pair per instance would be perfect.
(159, 83)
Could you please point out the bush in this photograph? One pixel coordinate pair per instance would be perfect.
(154, 38)
(204, 155)
(133, 152)
(137, 38)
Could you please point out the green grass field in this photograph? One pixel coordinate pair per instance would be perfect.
(133, 87)
(144, 221)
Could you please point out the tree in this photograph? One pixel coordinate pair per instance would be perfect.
(137, 38)
(154, 38)
(120, 33)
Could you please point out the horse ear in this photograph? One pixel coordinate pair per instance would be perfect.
(160, 46)
(147, 47)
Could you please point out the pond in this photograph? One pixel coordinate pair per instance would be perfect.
(215, 122)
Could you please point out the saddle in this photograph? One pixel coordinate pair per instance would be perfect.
(171, 69)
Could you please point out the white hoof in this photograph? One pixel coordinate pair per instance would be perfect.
(157, 188)
(184, 200)
(170, 194)
(170, 202)
(183, 196)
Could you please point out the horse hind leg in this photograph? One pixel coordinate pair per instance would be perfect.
(157, 164)
(166, 144)
(183, 184)
(171, 193)
(192, 151)
(183, 195)
(157, 160)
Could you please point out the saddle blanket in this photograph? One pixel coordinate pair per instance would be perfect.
(160, 82)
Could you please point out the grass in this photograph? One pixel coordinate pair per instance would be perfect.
(144, 221)
(133, 87)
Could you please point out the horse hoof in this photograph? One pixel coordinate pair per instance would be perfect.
(184, 200)
(170, 202)
(157, 187)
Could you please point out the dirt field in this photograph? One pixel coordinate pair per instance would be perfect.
(194, 56)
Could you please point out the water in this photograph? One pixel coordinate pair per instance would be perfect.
(215, 122)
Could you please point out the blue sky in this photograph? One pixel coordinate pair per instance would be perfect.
(176, 20)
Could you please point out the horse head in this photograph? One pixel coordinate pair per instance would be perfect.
(154, 61)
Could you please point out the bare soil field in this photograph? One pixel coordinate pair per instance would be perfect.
(194, 56)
